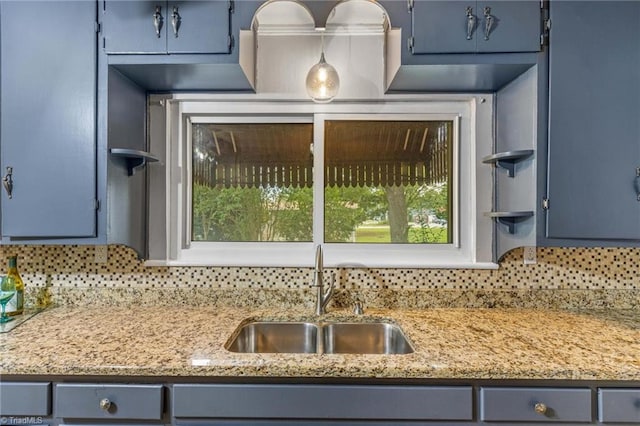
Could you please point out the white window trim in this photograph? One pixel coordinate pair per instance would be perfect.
(473, 240)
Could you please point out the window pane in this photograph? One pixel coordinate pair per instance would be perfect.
(252, 182)
(388, 181)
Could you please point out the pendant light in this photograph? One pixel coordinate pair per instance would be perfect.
(322, 82)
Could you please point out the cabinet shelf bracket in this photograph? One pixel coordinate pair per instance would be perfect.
(510, 219)
(134, 159)
(508, 159)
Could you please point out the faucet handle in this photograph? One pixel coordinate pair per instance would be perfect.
(331, 288)
(357, 308)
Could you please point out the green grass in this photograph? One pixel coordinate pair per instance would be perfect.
(373, 234)
(380, 234)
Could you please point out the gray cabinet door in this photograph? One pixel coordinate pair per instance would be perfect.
(508, 26)
(160, 27)
(594, 126)
(24, 399)
(441, 26)
(322, 402)
(200, 27)
(130, 26)
(456, 26)
(619, 405)
(108, 401)
(535, 404)
(48, 116)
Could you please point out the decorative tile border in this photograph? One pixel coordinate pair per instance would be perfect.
(343, 299)
(60, 269)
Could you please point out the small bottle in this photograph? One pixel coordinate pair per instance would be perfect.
(16, 304)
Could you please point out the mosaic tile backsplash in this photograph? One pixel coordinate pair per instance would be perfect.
(582, 276)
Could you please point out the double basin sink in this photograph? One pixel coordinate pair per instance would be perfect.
(374, 337)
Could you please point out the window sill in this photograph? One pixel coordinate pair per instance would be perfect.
(301, 255)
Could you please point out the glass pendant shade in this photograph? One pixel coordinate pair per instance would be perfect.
(323, 82)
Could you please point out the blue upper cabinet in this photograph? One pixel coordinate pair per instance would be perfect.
(161, 27)
(134, 26)
(594, 121)
(48, 115)
(453, 26)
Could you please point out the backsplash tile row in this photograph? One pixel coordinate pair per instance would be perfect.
(556, 269)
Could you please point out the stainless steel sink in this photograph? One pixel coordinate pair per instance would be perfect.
(274, 337)
(332, 338)
(365, 338)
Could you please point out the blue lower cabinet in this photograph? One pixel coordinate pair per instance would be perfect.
(507, 404)
(619, 405)
(108, 401)
(25, 400)
(322, 402)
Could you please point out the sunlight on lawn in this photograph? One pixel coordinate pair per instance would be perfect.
(381, 234)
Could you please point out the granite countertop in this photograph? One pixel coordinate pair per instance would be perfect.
(448, 343)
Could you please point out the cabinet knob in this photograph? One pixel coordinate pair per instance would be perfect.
(105, 404)
(540, 408)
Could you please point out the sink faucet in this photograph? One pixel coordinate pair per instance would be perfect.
(322, 297)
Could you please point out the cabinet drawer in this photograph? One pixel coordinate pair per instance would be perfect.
(619, 405)
(535, 404)
(94, 401)
(25, 399)
(323, 401)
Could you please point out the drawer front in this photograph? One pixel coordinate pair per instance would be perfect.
(323, 402)
(619, 405)
(94, 401)
(535, 404)
(25, 399)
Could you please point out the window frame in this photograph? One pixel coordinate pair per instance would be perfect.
(472, 245)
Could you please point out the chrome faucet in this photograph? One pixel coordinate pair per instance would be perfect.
(322, 297)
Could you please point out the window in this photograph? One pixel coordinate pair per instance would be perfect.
(390, 184)
(388, 181)
(252, 182)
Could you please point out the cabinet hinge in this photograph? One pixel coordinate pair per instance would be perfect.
(410, 6)
(230, 42)
(98, 27)
(410, 41)
(545, 204)
(97, 204)
(231, 6)
(544, 37)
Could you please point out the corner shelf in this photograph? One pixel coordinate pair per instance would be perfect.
(508, 159)
(510, 218)
(134, 158)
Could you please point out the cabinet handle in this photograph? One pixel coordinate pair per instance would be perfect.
(471, 22)
(7, 182)
(105, 404)
(176, 20)
(158, 20)
(636, 183)
(540, 408)
(488, 22)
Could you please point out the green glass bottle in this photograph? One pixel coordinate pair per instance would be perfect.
(16, 304)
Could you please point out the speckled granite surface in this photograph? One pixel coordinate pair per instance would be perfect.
(449, 343)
